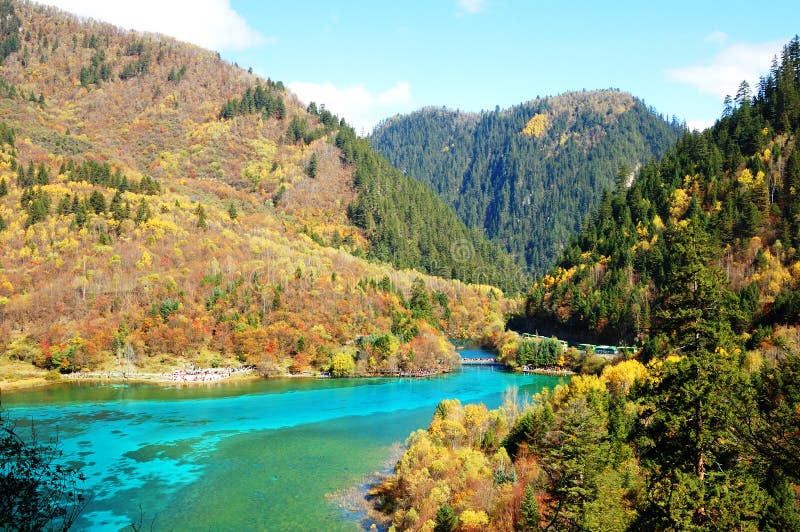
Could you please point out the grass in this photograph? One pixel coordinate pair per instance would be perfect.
(15, 374)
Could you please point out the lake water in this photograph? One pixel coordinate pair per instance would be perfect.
(264, 455)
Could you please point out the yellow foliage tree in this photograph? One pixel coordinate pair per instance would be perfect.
(145, 262)
(473, 521)
(536, 126)
(680, 202)
(621, 377)
(580, 385)
(448, 431)
(343, 365)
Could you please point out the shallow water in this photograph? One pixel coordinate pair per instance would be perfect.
(248, 455)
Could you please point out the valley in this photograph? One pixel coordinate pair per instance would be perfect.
(224, 306)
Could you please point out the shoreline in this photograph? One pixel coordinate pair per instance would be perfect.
(550, 372)
(27, 383)
(35, 378)
(117, 377)
(152, 378)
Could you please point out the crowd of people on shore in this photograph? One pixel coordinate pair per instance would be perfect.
(411, 373)
(192, 374)
(187, 374)
(548, 370)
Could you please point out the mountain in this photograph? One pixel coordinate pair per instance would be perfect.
(161, 206)
(527, 176)
(736, 184)
(698, 430)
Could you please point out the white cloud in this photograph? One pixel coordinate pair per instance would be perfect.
(399, 94)
(699, 125)
(716, 37)
(472, 6)
(728, 68)
(357, 105)
(212, 24)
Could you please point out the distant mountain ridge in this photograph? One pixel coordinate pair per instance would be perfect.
(527, 176)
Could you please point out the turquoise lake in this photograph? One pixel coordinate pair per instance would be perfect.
(265, 455)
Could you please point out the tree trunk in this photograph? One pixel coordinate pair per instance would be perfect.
(701, 466)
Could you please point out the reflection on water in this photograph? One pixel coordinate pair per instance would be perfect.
(256, 454)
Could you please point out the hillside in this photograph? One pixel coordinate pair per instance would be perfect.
(176, 111)
(527, 176)
(735, 183)
(160, 206)
(699, 429)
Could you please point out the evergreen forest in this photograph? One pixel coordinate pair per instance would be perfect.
(527, 176)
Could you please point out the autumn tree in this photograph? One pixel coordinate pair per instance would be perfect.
(343, 365)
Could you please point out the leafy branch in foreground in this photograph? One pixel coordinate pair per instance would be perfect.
(37, 490)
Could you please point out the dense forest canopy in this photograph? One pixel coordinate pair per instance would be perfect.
(527, 176)
(409, 226)
(700, 429)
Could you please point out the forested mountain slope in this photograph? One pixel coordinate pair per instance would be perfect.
(736, 184)
(159, 205)
(173, 111)
(527, 176)
(700, 429)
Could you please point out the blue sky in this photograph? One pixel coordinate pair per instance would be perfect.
(367, 60)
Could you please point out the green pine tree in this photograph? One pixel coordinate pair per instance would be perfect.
(115, 207)
(201, 217)
(769, 418)
(446, 519)
(97, 202)
(698, 478)
(142, 212)
(311, 169)
(81, 215)
(529, 512)
(420, 301)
